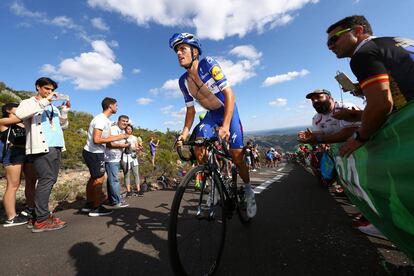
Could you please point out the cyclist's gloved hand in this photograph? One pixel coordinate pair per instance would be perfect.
(224, 133)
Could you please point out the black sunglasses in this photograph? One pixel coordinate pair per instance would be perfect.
(334, 38)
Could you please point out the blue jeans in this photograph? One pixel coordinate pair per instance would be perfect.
(114, 188)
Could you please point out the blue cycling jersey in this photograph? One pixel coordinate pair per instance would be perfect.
(211, 75)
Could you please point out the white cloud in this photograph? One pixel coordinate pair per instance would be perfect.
(100, 24)
(136, 71)
(144, 101)
(284, 77)
(170, 88)
(19, 9)
(246, 51)
(179, 115)
(173, 123)
(244, 68)
(91, 70)
(63, 21)
(278, 102)
(237, 72)
(154, 91)
(113, 43)
(102, 48)
(230, 17)
(48, 69)
(167, 109)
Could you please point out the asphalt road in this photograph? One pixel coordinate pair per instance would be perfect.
(300, 229)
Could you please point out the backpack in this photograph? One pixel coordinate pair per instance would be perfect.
(4, 143)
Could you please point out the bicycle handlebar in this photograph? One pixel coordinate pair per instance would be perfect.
(205, 142)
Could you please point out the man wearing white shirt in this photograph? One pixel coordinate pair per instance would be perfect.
(93, 153)
(325, 128)
(113, 154)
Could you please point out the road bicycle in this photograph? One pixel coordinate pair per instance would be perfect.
(197, 226)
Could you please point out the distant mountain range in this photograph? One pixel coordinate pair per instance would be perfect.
(277, 131)
(282, 139)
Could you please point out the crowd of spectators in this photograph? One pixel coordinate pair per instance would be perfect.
(384, 67)
(31, 142)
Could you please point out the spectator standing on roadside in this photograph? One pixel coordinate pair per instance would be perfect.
(248, 155)
(44, 144)
(130, 162)
(269, 158)
(153, 149)
(94, 155)
(113, 153)
(13, 157)
(256, 162)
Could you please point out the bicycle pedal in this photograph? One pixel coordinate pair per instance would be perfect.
(206, 215)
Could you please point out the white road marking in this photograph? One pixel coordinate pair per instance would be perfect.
(266, 184)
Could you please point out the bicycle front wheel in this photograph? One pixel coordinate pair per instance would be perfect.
(197, 225)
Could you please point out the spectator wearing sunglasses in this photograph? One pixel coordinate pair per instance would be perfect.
(384, 67)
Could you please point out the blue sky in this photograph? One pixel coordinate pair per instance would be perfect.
(273, 52)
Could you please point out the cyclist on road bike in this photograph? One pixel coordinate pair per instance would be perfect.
(205, 82)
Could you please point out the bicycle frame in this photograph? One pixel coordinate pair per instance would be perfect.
(213, 167)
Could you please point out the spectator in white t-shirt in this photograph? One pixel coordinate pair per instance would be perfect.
(113, 153)
(325, 128)
(93, 154)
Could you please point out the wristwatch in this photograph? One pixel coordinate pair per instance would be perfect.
(357, 137)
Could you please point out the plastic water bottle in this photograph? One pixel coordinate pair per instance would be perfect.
(61, 97)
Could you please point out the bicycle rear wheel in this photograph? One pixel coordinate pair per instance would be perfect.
(196, 231)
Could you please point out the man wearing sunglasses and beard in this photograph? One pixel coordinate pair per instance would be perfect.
(325, 128)
(384, 67)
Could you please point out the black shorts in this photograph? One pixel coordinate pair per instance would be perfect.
(95, 163)
(14, 156)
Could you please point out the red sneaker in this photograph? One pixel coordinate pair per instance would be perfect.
(360, 223)
(46, 225)
(57, 220)
(339, 190)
